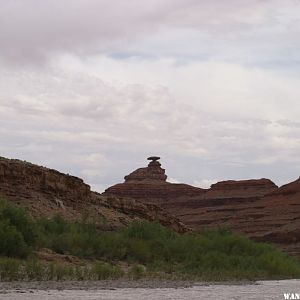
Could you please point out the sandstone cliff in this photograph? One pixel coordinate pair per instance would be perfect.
(47, 192)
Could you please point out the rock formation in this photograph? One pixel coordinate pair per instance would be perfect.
(152, 174)
(282, 217)
(255, 208)
(241, 188)
(149, 184)
(47, 192)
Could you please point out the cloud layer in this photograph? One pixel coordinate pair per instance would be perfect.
(94, 87)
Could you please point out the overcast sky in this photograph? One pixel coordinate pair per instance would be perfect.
(94, 87)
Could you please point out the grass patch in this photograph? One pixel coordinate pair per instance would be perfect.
(12, 269)
(136, 272)
(106, 271)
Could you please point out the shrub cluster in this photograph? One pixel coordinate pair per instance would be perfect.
(18, 233)
(210, 255)
(217, 254)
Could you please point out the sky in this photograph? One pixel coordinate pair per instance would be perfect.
(93, 87)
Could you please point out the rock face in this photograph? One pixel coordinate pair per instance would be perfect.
(282, 217)
(47, 192)
(22, 180)
(233, 204)
(256, 208)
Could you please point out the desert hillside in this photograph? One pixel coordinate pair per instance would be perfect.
(47, 192)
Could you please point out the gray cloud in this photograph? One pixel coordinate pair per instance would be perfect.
(201, 83)
(31, 30)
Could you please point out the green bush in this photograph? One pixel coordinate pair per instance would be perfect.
(18, 233)
(12, 241)
(18, 218)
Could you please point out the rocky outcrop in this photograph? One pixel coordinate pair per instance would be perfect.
(160, 193)
(47, 192)
(256, 208)
(153, 173)
(145, 184)
(149, 184)
(241, 188)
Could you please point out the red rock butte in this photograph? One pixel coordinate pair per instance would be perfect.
(256, 208)
(150, 185)
(152, 173)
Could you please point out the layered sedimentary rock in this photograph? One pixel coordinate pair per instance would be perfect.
(233, 204)
(48, 192)
(256, 208)
(153, 173)
(149, 184)
(241, 188)
(22, 180)
(273, 215)
(282, 217)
